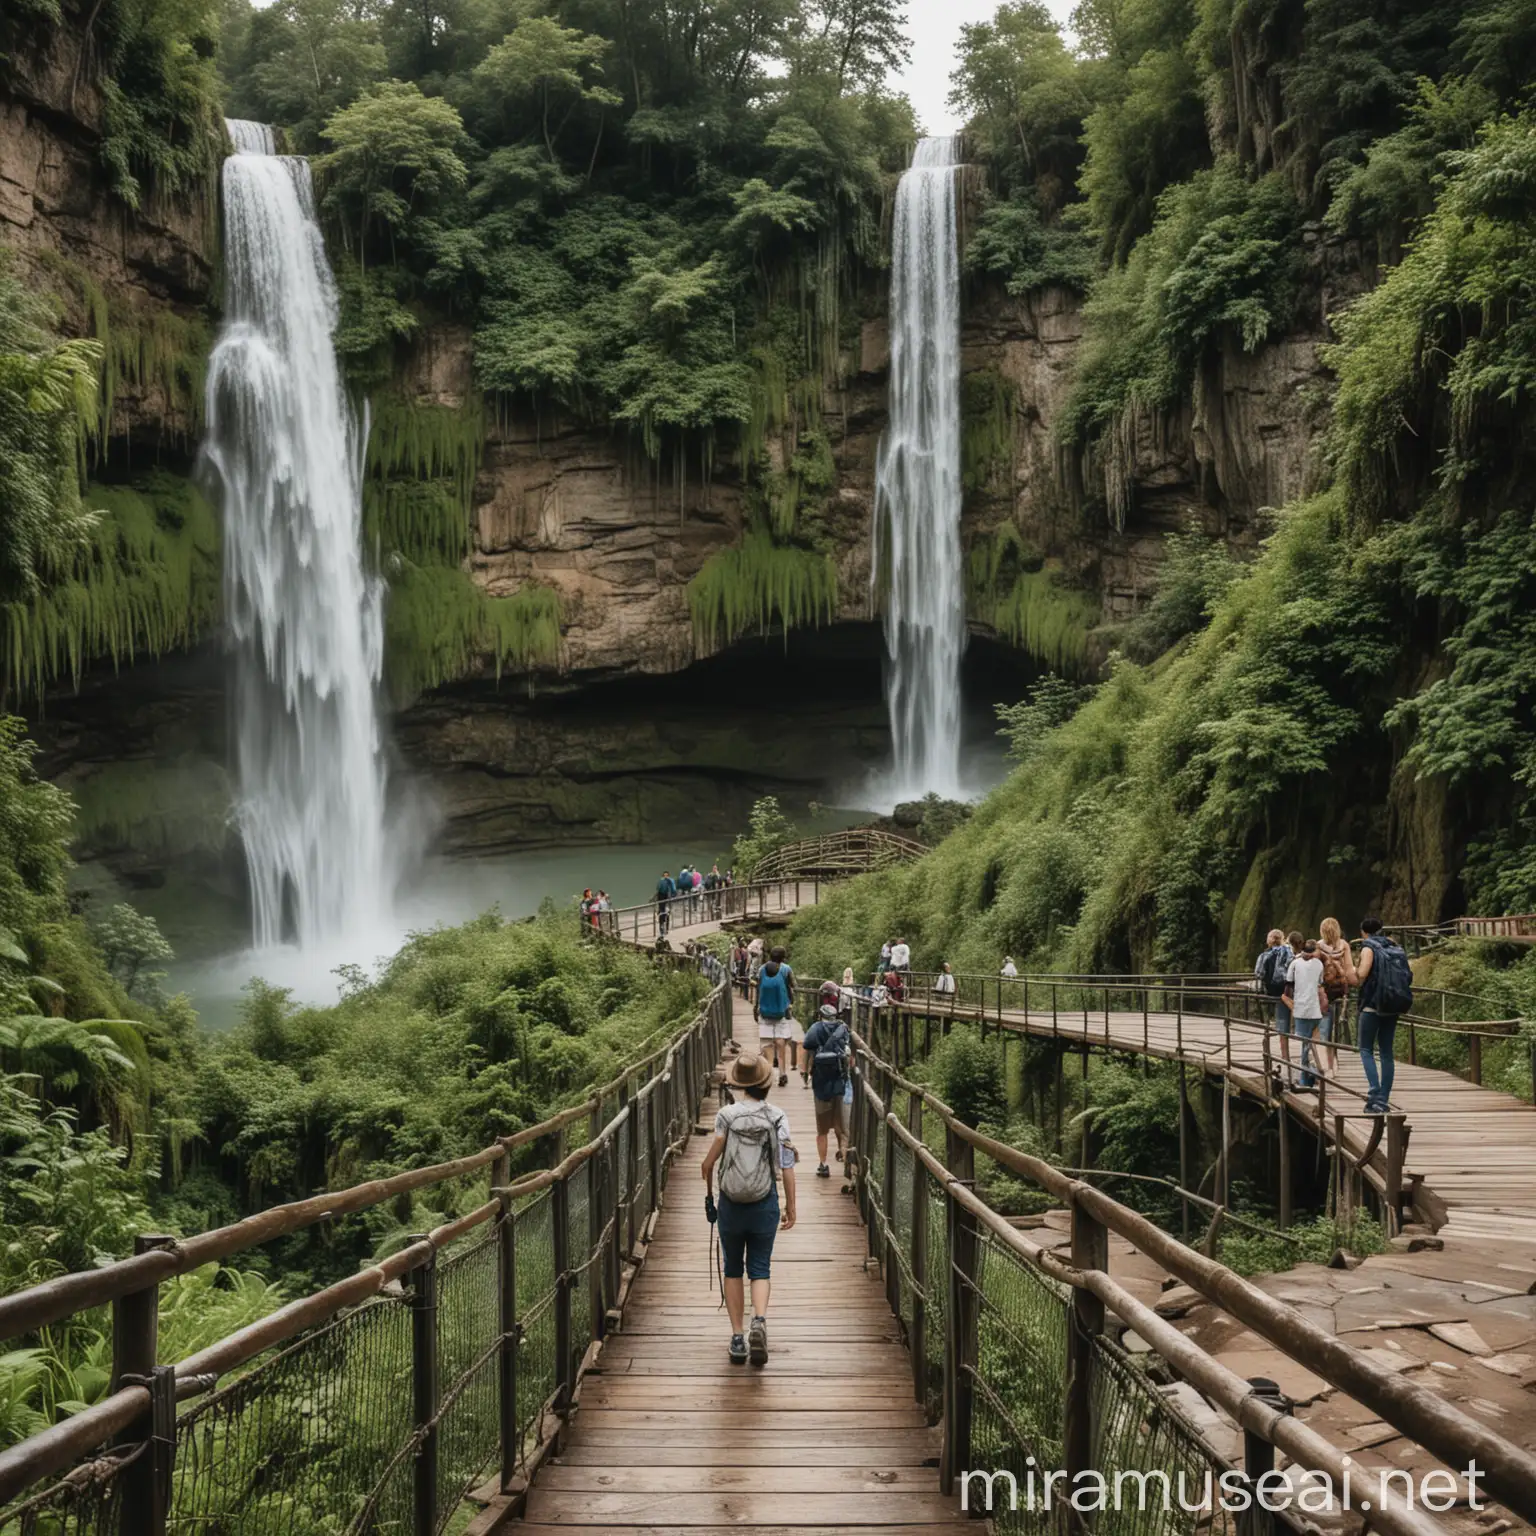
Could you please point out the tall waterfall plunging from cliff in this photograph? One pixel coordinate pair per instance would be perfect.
(917, 480)
(306, 619)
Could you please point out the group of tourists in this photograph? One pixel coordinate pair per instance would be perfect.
(595, 910)
(753, 1149)
(1311, 981)
(691, 896)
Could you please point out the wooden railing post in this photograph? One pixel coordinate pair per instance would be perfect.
(1259, 1459)
(888, 1200)
(1397, 1154)
(425, 1390)
(1475, 1049)
(613, 1223)
(630, 1172)
(506, 1316)
(919, 1256)
(961, 1341)
(560, 1232)
(1090, 1250)
(135, 1342)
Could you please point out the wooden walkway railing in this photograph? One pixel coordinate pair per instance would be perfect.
(836, 855)
(377, 1403)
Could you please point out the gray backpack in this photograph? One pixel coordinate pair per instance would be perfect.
(751, 1155)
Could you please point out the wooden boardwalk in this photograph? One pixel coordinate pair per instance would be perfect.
(827, 1437)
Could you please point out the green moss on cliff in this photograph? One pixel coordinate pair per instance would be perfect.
(145, 581)
(757, 584)
(439, 626)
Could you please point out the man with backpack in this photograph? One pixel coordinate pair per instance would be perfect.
(752, 1147)
(828, 1053)
(1386, 993)
(1269, 971)
(771, 1008)
(665, 891)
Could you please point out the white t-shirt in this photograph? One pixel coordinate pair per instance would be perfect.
(1306, 978)
(944, 982)
(787, 1154)
(901, 956)
(1010, 970)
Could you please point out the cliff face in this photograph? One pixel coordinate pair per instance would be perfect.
(129, 272)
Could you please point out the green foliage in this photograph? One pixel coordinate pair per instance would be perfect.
(988, 402)
(1220, 262)
(439, 626)
(1122, 841)
(161, 129)
(767, 828)
(1195, 572)
(144, 580)
(967, 1074)
(1012, 242)
(1305, 1242)
(758, 583)
(1027, 725)
(419, 481)
(466, 1034)
(130, 943)
(173, 808)
(394, 167)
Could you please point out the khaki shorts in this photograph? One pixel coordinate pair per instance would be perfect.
(832, 1115)
(776, 1029)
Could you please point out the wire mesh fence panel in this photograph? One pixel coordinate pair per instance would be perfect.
(535, 1317)
(468, 1339)
(1161, 1476)
(1021, 1353)
(938, 1294)
(579, 1255)
(901, 1226)
(299, 1444)
(642, 1189)
(88, 1501)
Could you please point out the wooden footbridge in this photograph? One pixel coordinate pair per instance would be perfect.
(554, 1356)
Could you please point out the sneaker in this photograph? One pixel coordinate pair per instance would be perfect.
(783, 1078)
(738, 1349)
(822, 1171)
(757, 1341)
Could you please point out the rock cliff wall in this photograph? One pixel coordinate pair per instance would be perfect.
(146, 276)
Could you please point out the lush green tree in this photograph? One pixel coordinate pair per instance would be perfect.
(1021, 91)
(299, 62)
(395, 161)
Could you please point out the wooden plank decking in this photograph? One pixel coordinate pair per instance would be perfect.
(827, 1437)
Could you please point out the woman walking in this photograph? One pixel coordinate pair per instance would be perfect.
(753, 1149)
(1338, 977)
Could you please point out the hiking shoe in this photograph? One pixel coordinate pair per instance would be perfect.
(738, 1349)
(757, 1341)
(783, 1078)
(822, 1171)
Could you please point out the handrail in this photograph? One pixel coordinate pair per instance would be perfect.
(660, 1090)
(855, 850)
(1453, 1436)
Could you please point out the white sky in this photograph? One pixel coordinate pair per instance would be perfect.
(935, 29)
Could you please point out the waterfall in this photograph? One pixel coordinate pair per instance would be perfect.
(284, 449)
(917, 481)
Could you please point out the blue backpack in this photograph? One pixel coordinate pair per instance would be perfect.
(773, 992)
(1390, 983)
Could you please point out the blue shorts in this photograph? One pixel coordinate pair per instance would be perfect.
(746, 1236)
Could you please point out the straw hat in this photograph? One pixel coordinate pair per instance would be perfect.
(749, 1070)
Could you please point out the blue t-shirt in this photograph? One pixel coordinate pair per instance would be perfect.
(773, 992)
(828, 1076)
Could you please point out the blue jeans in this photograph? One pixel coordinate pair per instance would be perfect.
(1304, 1030)
(1377, 1031)
(746, 1235)
(1282, 1016)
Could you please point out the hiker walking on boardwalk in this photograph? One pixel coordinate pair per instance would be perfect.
(1304, 997)
(1386, 993)
(828, 1048)
(944, 982)
(1269, 971)
(1010, 971)
(739, 966)
(901, 956)
(1338, 977)
(753, 1148)
(771, 1008)
(846, 994)
(665, 891)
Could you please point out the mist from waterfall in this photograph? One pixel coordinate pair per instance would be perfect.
(306, 620)
(917, 559)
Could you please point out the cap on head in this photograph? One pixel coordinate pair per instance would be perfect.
(828, 1011)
